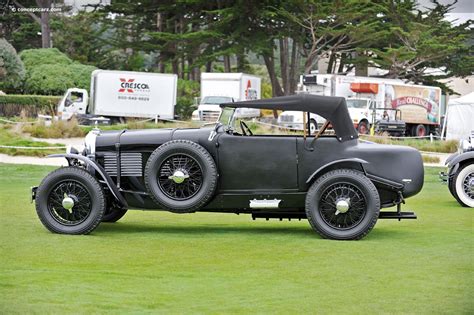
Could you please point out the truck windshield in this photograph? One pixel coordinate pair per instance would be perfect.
(356, 103)
(216, 100)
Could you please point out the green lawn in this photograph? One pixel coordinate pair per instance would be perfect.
(223, 263)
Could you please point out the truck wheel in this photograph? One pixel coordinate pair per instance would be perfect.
(342, 204)
(113, 215)
(181, 176)
(419, 131)
(363, 127)
(313, 126)
(70, 201)
(463, 184)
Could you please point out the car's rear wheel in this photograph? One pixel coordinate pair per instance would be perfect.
(113, 214)
(463, 185)
(181, 176)
(70, 201)
(342, 204)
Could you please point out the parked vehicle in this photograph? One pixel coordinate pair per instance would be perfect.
(121, 94)
(373, 100)
(335, 181)
(460, 175)
(219, 88)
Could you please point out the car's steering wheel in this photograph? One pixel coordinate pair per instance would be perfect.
(245, 129)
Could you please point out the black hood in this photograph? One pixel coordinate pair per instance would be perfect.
(332, 108)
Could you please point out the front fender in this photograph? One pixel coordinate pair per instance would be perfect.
(319, 170)
(90, 163)
(454, 160)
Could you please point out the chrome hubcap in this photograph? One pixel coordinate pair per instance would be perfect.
(469, 185)
(342, 206)
(178, 177)
(67, 202)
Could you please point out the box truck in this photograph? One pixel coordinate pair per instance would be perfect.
(387, 104)
(122, 94)
(218, 88)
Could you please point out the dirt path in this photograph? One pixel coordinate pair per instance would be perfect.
(4, 158)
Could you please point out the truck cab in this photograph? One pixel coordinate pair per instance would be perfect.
(74, 102)
(209, 109)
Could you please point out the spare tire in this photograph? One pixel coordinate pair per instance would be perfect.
(181, 176)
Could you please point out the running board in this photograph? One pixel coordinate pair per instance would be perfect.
(397, 215)
(279, 215)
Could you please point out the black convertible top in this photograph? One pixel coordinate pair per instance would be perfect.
(332, 108)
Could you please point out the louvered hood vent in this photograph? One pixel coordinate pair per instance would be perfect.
(130, 164)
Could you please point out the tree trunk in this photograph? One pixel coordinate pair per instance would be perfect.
(284, 65)
(270, 63)
(227, 65)
(209, 66)
(342, 63)
(45, 28)
(332, 60)
(294, 63)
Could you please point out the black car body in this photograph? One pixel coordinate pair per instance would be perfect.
(267, 176)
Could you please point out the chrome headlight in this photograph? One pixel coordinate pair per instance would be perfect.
(89, 141)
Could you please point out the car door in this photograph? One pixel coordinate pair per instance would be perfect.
(257, 163)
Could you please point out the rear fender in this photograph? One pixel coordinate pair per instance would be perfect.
(355, 162)
(455, 160)
(99, 170)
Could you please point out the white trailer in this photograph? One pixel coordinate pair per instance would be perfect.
(120, 94)
(218, 88)
(369, 99)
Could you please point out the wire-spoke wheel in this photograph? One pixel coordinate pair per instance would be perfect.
(342, 204)
(464, 185)
(70, 201)
(181, 176)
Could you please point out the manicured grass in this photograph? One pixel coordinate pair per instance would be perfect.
(152, 262)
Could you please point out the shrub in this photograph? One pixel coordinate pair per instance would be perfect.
(57, 129)
(30, 105)
(12, 70)
(49, 71)
(187, 91)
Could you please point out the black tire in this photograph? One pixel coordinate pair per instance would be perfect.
(173, 196)
(113, 215)
(363, 127)
(313, 126)
(83, 188)
(419, 131)
(356, 188)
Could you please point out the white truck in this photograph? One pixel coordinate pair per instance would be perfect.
(218, 88)
(121, 94)
(371, 100)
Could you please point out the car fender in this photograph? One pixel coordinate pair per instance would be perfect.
(319, 170)
(454, 160)
(90, 163)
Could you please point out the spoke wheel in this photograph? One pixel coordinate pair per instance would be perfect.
(463, 186)
(81, 203)
(70, 200)
(180, 177)
(349, 196)
(342, 204)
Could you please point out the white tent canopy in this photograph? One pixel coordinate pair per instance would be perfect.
(460, 117)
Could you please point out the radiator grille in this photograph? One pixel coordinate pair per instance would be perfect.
(130, 164)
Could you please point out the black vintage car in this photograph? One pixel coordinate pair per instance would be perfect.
(460, 175)
(335, 181)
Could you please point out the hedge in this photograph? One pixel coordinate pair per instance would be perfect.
(28, 105)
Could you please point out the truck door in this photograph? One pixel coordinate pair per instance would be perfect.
(257, 163)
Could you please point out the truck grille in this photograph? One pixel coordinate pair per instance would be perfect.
(210, 115)
(130, 164)
(286, 118)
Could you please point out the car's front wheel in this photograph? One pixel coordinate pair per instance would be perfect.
(70, 201)
(343, 205)
(463, 185)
